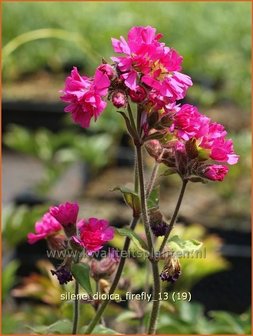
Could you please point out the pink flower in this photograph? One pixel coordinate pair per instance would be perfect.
(94, 233)
(149, 61)
(84, 96)
(189, 123)
(215, 172)
(222, 150)
(44, 228)
(210, 136)
(65, 214)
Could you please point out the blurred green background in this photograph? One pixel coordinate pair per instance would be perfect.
(215, 41)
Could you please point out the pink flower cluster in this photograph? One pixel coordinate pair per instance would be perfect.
(89, 234)
(210, 136)
(149, 73)
(148, 62)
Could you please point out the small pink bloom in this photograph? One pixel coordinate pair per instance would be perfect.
(84, 96)
(44, 228)
(215, 172)
(65, 214)
(94, 233)
(119, 99)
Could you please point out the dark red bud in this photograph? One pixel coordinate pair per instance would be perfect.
(138, 95)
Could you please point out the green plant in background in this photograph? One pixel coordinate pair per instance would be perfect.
(57, 151)
(189, 318)
(200, 31)
(218, 81)
(19, 219)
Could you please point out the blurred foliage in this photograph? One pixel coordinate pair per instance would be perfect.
(8, 277)
(20, 219)
(178, 318)
(216, 55)
(189, 318)
(58, 150)
(230, 187)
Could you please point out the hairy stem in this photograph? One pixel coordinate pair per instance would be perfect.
(155, 270)
(76, 310)
(115, 282)
(144, 208)
(174, 216)
(156, 303)
(151, 183)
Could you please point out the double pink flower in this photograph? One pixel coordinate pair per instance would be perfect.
(90, 234)
(85, 96)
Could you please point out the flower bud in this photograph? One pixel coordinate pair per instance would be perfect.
(119, 99)
(63, 274)
(171, 270)
(215, 172)
(153, 118)
(107, 69)
(57, 242)
(154, 148)
(191, 149)
(138, 95)
(105, 267)
(158, 226)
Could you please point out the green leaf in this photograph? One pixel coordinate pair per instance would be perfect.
(100, 329)
(153, 199)
(180, 245)
(81, 273)
(138, 242)
(126, 315)
(59, 327)
(131, 198)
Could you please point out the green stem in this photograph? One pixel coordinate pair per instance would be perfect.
(156, 303)
(150, 185)
(115, 282)
(76, 310)
(155, 270)
(136, 181)
(174, 216)
(130, 113)
(144, 208)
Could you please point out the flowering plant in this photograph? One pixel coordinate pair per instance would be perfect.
(145, 83)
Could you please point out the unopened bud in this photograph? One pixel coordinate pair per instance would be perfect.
(105, 267)
(158, 226)
(63, 274)
(154, 148)
(138, 95)
(171, 270)
(107, 69)
(57, 242)
(119, 99)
